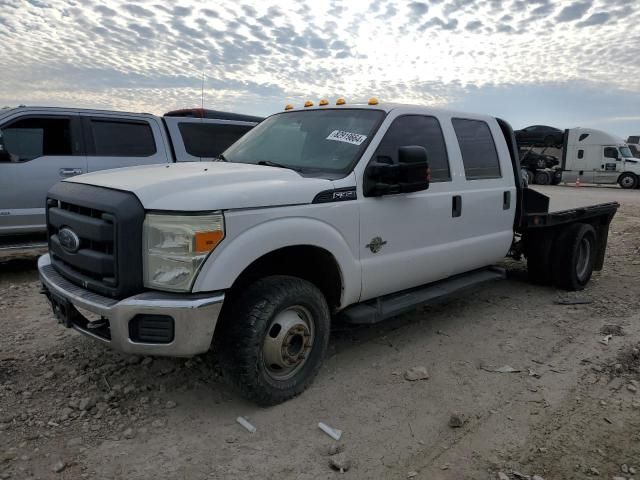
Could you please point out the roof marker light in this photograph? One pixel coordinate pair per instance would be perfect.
(341, 101)
(323, 102)
(308, 103)
(373, 101)
(288, 106)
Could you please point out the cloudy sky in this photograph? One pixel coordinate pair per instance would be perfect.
(564, 63)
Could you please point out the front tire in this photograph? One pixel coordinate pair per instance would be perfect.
(542, 177)
(574, 254)
(274, 338)
(628, 181)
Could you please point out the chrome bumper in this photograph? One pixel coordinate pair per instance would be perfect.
(194, 316)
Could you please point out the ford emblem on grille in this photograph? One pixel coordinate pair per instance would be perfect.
(69, 240)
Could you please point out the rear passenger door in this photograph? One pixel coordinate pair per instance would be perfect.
(42, 150)
(114, 142)
(487, 196)
(203, 139)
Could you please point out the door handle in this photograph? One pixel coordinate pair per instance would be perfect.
(506, 200)
(456, 206)
(69, 172)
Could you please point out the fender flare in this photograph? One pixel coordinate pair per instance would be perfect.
(231, 258)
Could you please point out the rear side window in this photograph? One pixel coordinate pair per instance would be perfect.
(478, 149)
(122, 138)
(31, 138)
(210, 139)
(418, 130)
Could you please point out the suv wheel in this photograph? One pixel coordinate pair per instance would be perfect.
(274, 338)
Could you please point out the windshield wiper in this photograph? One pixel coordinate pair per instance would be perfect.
(269, 163)
(221, 158)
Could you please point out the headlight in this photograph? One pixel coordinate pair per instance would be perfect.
(175, 246)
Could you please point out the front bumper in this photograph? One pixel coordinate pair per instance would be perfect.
(194, 315)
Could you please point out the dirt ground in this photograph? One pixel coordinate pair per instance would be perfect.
(70, 408)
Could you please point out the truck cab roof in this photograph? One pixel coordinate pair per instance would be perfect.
(388, 107)
(591, 136)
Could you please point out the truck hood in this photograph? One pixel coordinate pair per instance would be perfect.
(198, 186)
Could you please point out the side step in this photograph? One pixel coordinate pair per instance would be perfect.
(376, 310)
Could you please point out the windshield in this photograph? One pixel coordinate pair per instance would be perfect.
(626, 152)
(309, 141)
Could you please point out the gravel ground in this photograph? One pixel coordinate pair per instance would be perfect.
(568, 406)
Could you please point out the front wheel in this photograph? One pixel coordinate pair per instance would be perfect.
(574, 254)
(542, 177)
(628, 181)
(274, 338)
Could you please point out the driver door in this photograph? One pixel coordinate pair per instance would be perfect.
(404, 236)
(609, 168)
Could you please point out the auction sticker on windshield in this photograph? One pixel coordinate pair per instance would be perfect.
(347, 137)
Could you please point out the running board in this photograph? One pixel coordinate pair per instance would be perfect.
(381, 308)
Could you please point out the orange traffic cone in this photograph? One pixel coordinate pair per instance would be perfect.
(578, 182)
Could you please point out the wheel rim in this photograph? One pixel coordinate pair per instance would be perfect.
(288, 342)
(584, 255)
(627, 181)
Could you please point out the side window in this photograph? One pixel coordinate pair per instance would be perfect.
(209, 139)
(580, 153)
(418, 130)
(113, 138)
(610, 152)
(479, 153)
(31, 138)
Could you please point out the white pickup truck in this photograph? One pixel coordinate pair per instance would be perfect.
(39, 146)
(351, 212)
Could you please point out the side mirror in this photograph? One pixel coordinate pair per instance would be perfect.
(410, 174)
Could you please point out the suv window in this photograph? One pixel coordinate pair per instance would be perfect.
(418, 130)
(478, 149)
(210, 139)
(31, 138)
(113, 138)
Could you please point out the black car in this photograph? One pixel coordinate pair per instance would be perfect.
(534, 160)
(539, 135)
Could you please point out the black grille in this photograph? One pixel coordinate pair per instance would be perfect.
(108, 223)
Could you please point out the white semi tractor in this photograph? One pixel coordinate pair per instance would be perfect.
(595, 156)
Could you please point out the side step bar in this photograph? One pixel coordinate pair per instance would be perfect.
(381, 308)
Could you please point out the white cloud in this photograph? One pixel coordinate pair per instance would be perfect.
(259, 55)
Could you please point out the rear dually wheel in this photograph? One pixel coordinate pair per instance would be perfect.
(574, 254)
